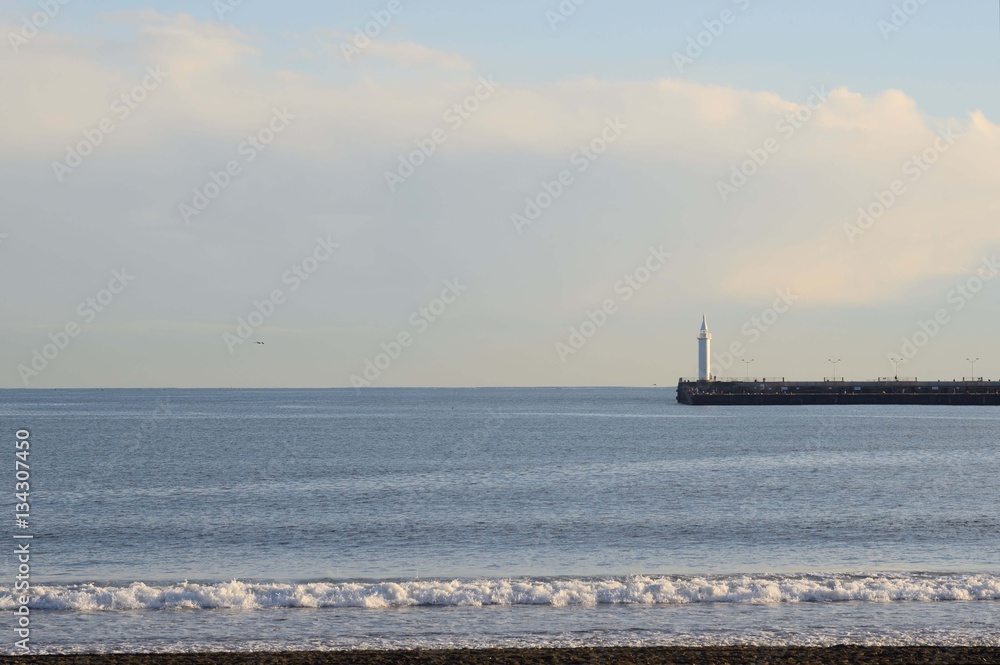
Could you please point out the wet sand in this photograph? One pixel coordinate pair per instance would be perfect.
(640, 655)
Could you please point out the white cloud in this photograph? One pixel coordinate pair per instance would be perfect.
(405, 53)
(784, 229)
(341, 46)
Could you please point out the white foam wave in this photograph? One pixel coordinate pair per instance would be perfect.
(643, 590)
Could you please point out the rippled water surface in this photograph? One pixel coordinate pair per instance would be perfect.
(184, 519)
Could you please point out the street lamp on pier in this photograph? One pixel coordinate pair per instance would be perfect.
(747, 363)
(895, 366)
(972, 361)
(834, 367)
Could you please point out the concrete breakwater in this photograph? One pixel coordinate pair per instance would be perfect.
(881, 391)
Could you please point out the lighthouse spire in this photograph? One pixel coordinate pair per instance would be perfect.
(704, 351)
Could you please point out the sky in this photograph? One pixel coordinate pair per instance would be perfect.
(531, 193)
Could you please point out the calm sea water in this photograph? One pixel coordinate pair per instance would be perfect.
(266, 519)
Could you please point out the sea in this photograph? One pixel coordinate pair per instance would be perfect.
(262, 520)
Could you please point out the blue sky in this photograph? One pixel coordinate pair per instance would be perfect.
(947, 53)
(862, 294)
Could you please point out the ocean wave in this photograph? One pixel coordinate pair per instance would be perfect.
(630, 590)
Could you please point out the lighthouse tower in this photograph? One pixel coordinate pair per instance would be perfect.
(704, 352)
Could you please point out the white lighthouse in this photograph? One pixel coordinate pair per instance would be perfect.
(704, 351)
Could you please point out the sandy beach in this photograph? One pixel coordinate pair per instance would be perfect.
(639, 655)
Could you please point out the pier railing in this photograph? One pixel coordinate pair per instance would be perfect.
(736, 379)
(839, 380)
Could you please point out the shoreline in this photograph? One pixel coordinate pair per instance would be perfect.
(672, 655)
